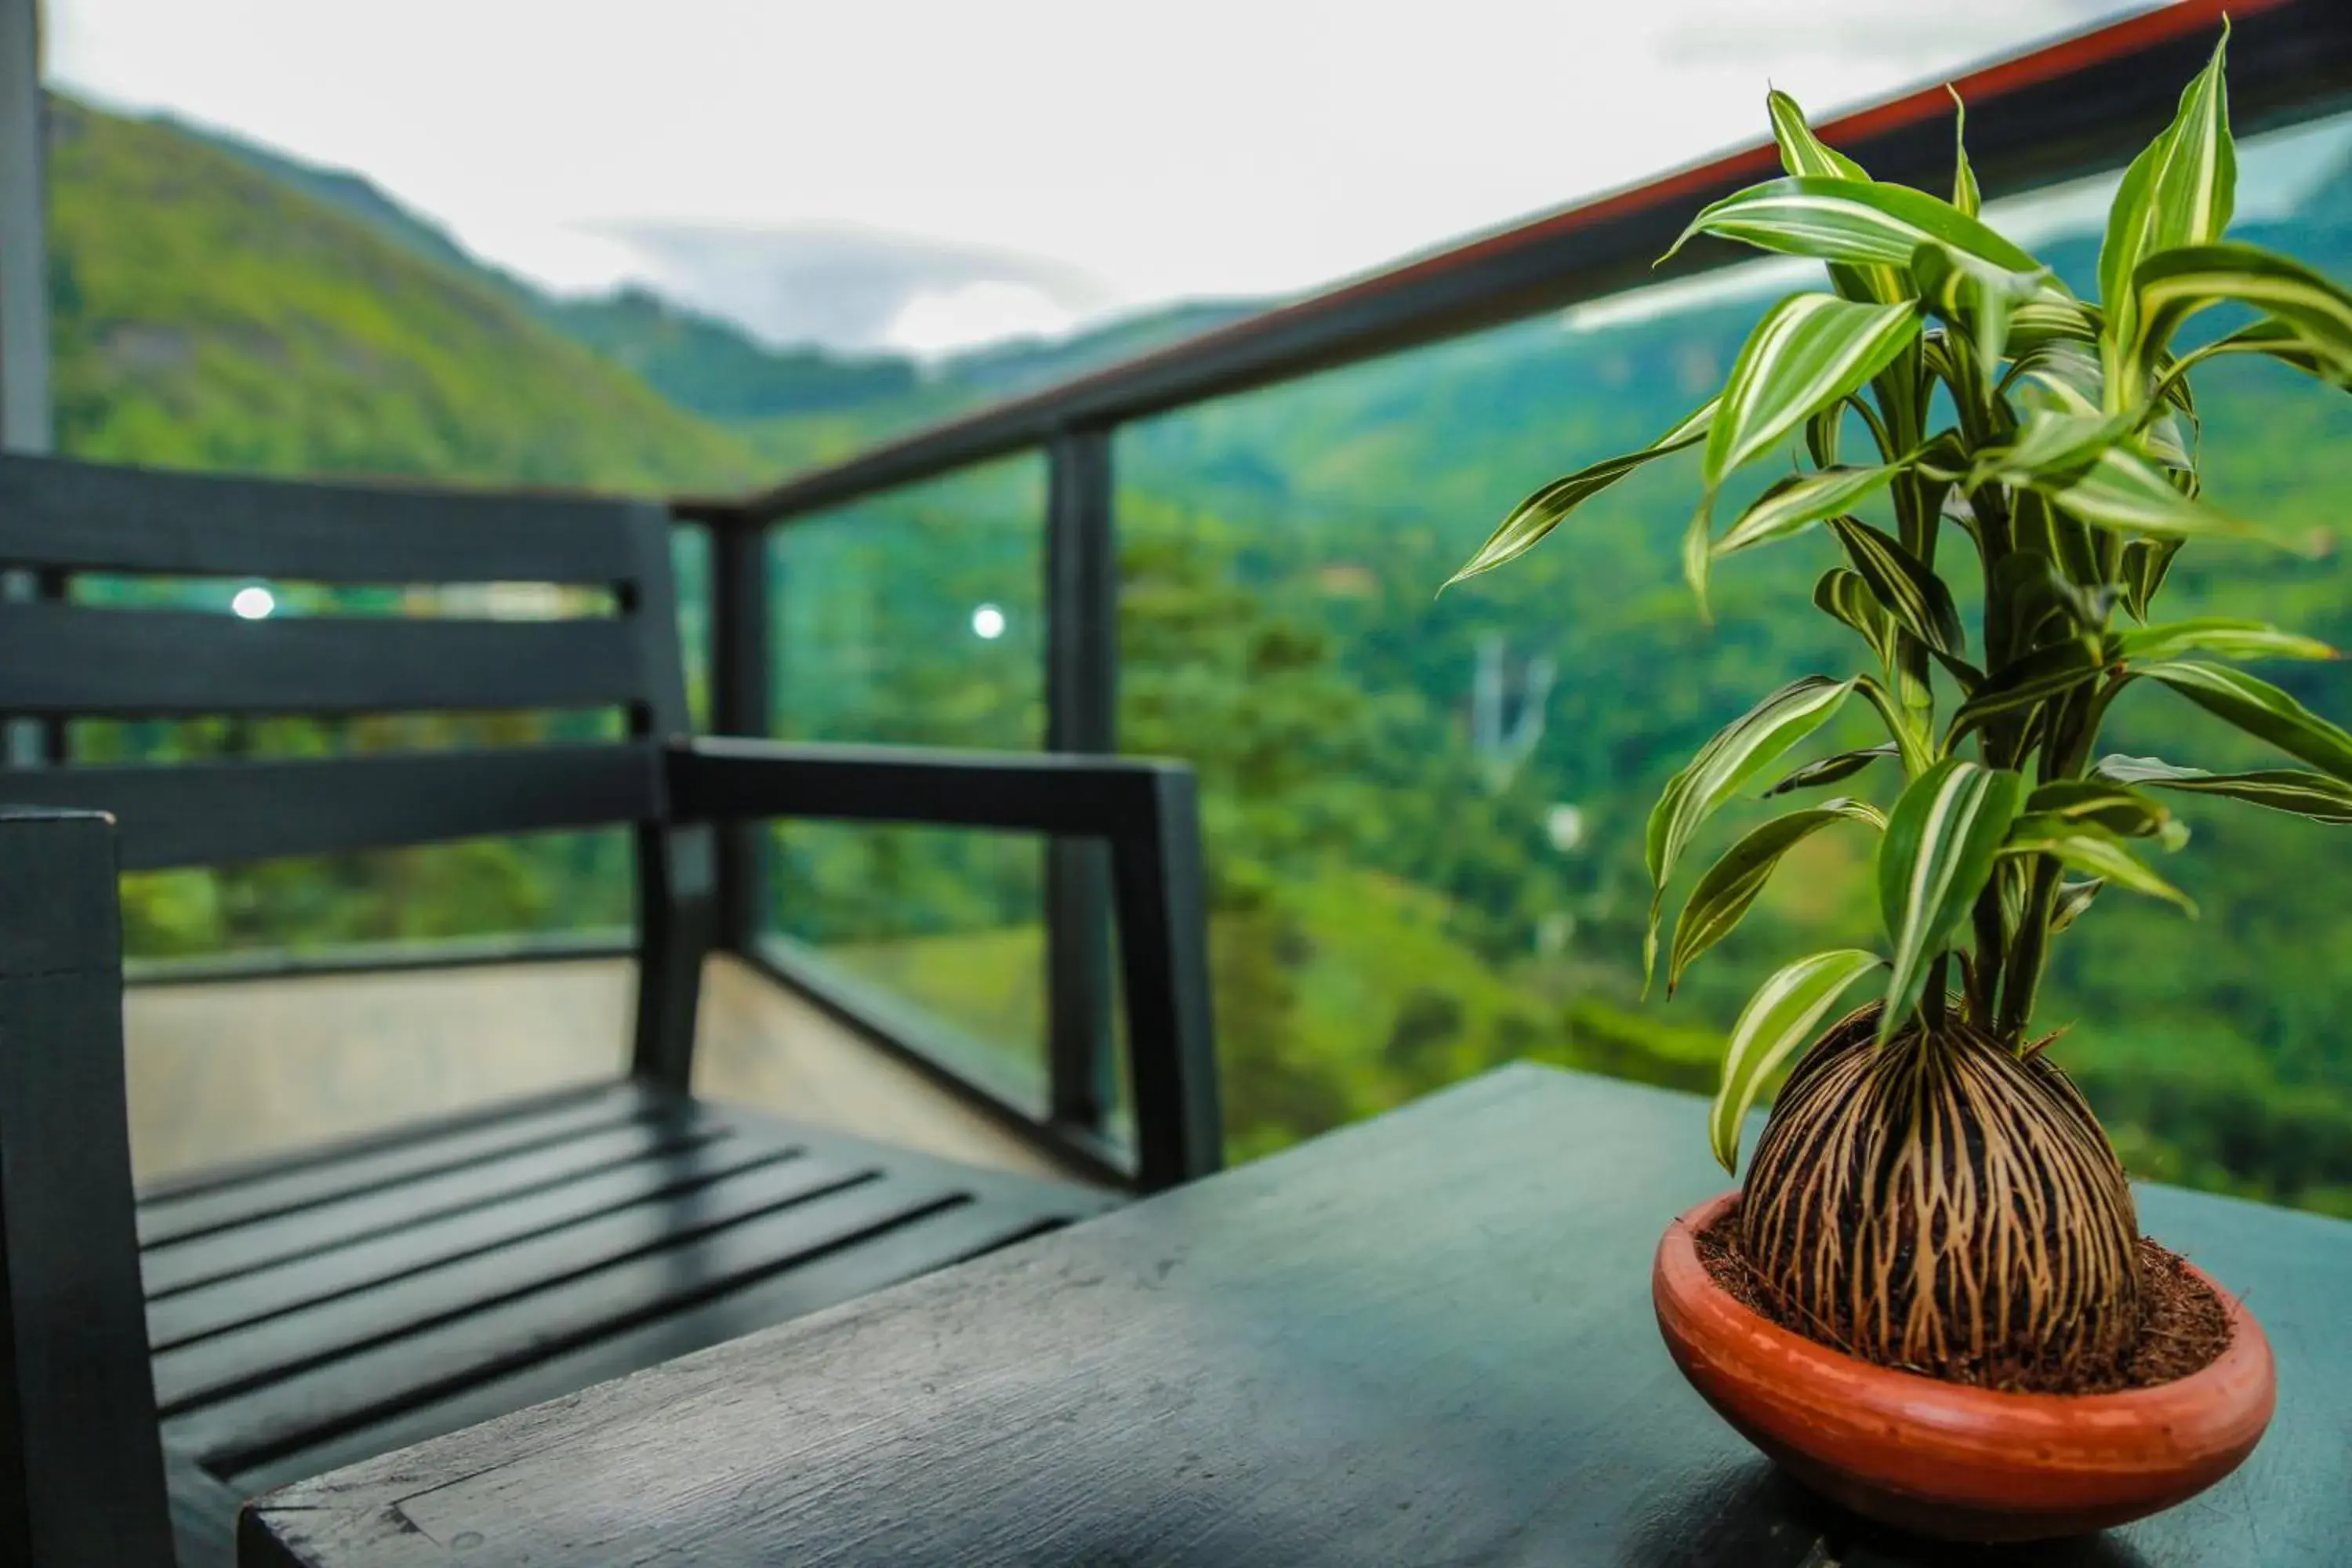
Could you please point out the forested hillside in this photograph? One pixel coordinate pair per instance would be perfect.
(1424, 812)
(206, 315)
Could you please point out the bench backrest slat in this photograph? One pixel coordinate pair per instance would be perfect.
(89, 516)
(76, 659)
(202, 813)
(67, 659)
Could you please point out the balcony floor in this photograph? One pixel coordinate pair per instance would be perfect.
(228, 1070)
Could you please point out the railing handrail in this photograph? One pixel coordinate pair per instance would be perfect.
(2076, 106)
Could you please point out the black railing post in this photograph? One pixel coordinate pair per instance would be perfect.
(1082, 715)
(25, 421)
(739, 653)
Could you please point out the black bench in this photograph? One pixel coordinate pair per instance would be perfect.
(259, 1324)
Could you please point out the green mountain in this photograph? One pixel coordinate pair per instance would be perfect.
(355, 196)
(705, 365)
(209, 315)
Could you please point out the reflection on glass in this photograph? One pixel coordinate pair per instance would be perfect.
(916, 619)
(689, 555)
(1424, 814)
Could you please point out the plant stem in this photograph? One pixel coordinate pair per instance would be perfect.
(2029, 952)
(1932, 1004)
(1990, 955)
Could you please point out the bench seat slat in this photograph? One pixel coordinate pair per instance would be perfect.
(746, 1237)
(208, 1310)
(935, 1241)
(275, 1349)
(305, 1181)
(403, 1205)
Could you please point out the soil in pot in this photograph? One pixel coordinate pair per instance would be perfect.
(2183, 1325)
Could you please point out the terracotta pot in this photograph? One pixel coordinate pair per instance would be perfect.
(1945, 1459)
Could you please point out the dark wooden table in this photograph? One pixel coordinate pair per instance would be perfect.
(1422, 1339)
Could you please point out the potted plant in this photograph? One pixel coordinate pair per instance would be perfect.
(1930, 1299)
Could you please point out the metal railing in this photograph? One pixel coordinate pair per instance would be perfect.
(2080, 106)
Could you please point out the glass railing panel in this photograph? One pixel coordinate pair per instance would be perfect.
(917, 618)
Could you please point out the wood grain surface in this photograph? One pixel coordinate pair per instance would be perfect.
(1426, 1339)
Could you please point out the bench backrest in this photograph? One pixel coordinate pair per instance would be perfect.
(61, 659)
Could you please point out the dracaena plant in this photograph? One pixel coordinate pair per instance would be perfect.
(1930, 1191)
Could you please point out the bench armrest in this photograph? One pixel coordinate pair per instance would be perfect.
(1145, 811)
(81, 1456)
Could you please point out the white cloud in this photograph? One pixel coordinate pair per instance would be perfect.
(938, 322)
(1925, 36)
(1156, 150)
(851, 287)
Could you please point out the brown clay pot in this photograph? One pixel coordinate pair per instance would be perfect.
(1943, 1459)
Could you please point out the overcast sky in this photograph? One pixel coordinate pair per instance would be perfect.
(1107, 153)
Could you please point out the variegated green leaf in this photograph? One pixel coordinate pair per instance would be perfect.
(2012, 885)
(1975, 296)
(2281, 341)
(2067, 376)
(1943, 456)
(2094, 850)
(2180, 191)
(1730, 886)
(2052, 448)
(1698, 551)
(1856, 223)
(1823, 430)
(2262, 711)
(1800, 500)
(2146, 563)
(1965, 194)
(2060, 395)
(2063, 368)
(2124, 490)
(2315, 311)
(2041, 525)
(2219, 636)
(2074, 898)
(1801, 152)
(1912, 594)
(1935, 856)
(2314, 796)
(1831, 770)
(2044, 673)
(1906, 723)
(2111, 804)
(2050, 322)
(1843, 596)
(1542, 512)
(2160, 440)
(1739, 751)
(1810, 351)
(2039, 604)
(1783, 1016)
